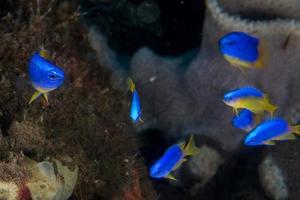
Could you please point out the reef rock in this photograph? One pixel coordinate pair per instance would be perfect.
(24, 179)
(204, 165)
(272, 179)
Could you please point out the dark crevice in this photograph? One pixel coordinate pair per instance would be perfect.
(168, 27)
(5, 122)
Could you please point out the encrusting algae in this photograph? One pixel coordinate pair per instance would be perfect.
(78, 127)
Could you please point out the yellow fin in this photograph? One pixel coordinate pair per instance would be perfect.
(270, 142)
(286, 137)
(46, 96)
(34, 96)
(171, 177)
(190, 148)
(235, 111)
(131, 85)
(257, 105)
(45, 54)
(296, 129)
(268, 106)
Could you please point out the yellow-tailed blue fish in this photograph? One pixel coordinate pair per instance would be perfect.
(135, 108)
(45, 76)
(245, 120)
(172, 159)
(243, 50)
(271, 130)
(250, 98)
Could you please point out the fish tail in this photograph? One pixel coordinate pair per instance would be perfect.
(263, 59)
(268, 106)
(130, 84)
(190, 148)
(34, 96)
(296, 129)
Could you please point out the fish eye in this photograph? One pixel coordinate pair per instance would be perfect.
(230, 43)
(229, 98)
(53, 77)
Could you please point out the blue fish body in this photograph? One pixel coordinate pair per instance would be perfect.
(162, 167)
(244, 92)
(240, 45)
(135, 109)
(244, 120)
(267, 131)
(44, 75)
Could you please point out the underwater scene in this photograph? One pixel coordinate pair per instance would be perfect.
(149, 100)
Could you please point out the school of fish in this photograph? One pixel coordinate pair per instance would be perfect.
(249, 104)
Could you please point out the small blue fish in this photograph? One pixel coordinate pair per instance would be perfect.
(249, 98)
(245, 120)
(172, 159)
(135, 108)
(243, 50)
(44, 75)
(271, 130)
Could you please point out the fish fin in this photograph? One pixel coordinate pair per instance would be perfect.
(141, 120)
(34, 96)
(244, 72)
(269, 142)
(286, 137)
(258, 105)
(263, 59)
(45, 54)
(46, 97)
(268, 106)
(171, 177)
(235, 111)
(190, 148)
(296, 129)
(130, 84)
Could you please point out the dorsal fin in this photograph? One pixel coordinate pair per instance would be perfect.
(45, 54)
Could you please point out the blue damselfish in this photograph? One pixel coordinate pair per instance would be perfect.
(249, 98)
(135, 108)
(244, 120)
(172, 159)
(44, 75)
(243, 50)
(271, 130)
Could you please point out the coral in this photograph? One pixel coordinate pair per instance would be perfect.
(80, 127)
(24, 179)
(51, 180)
(205, 165)
(26, 136)
(272, 179)
(181, 98)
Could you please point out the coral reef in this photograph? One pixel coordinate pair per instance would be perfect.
(23, 178)
(83, 146)
(272, 179)
(79, 127)
(182, 96)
